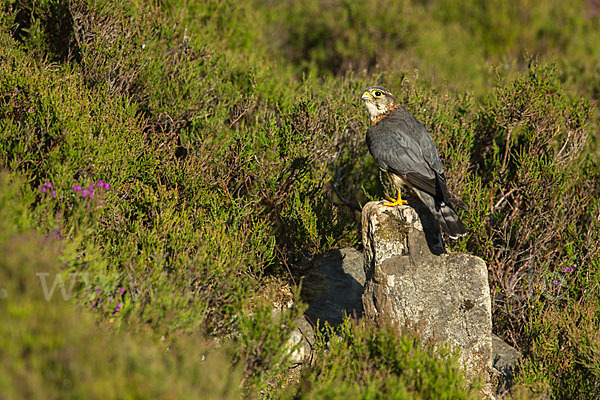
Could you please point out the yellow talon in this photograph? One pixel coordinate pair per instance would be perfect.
(395, 202)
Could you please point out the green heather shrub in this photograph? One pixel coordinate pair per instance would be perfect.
(564, 356)
(51, 348)
(538, 228)
(453, 43)
(224, 143)
(360, 361)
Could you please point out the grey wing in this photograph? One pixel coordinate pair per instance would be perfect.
(403, 146)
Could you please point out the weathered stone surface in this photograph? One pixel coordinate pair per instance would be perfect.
(301, 341)
(505, 362)
(446, 296)
(334, 286)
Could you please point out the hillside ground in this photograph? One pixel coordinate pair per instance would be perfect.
(178, 165)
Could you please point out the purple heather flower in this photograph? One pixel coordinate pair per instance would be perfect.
(121, 291)
(48, 185)
(76, 188)
(555, 282)
(118, 308)
(91, 194)
(54, 194)
(30, 109)
(98, 290)
(43, 189)
(110, 299)
(100, 184)
(84, 193)
(106, 186)
(593, 8)
(58, 216)
(101, 202)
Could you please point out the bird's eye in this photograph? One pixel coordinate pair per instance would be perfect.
(377, 94)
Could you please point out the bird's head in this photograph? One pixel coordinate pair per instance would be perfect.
(379, 101)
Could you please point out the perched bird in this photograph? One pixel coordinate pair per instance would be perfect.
(404, 148)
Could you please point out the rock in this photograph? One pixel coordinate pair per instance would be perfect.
(301, 341)
(334, 286)
(505, 360)
(412, 282)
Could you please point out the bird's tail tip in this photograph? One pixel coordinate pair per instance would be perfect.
(451, 223)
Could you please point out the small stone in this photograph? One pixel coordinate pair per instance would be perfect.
(301, 342)
(506, 361)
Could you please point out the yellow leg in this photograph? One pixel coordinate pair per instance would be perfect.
(396, 202)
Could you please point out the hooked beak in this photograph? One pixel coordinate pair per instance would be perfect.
(365, 96)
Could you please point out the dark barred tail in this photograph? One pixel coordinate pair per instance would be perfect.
(450, 222)
(445, 215)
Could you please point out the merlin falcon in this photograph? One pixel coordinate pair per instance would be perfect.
(404, 149)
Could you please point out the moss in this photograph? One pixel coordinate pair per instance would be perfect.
(467, 305)
(392, 229)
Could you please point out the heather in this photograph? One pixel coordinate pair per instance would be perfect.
(181, 165)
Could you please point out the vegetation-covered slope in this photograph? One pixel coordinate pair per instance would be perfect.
(184, 162)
